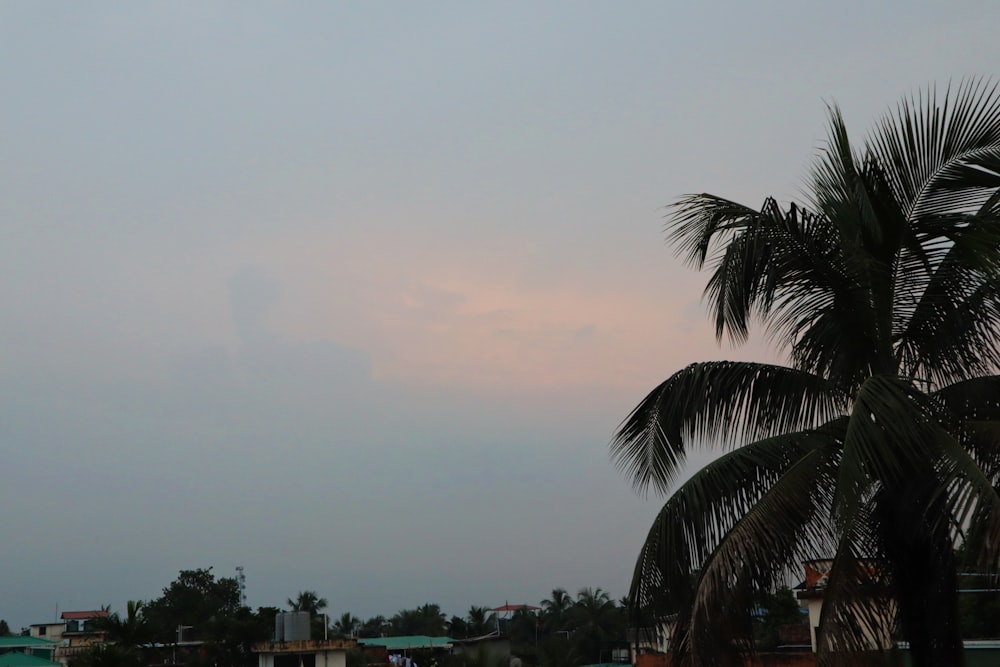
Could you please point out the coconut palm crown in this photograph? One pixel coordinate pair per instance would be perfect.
(878, 445)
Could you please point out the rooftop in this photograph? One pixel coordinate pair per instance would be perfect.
(15, 659)
(25, 642)
(407, 642)
(305, 646)
(83, 615)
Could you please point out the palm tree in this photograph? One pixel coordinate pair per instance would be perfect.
(458, 627)
(376, 626)
(879, 443)
(480, 621)
(308, 601)
(347, 625)
(555, 609)
(427, 619)
(595, 623)
(107, 655)
(129, 632)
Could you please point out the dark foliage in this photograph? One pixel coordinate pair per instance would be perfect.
(879, 443)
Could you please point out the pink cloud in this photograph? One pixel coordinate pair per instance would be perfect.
(470, 317)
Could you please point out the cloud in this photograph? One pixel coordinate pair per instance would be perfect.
(252, 294)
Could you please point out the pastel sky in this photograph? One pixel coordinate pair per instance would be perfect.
(355, 294)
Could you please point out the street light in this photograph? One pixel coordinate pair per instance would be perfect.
(180, 636)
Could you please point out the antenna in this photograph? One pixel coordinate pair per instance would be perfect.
(241, 579)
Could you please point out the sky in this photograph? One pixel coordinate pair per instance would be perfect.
(354, 295)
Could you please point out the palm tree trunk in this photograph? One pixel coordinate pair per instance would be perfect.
(924, 579)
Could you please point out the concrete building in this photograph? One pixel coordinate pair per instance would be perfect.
(304, 653)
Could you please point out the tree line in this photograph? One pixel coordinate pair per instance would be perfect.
(200, 607)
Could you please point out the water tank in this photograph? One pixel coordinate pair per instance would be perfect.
(297, 626)
(279, 627)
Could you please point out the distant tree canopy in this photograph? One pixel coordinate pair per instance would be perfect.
(778, 609)
(347, 625)
(427, 619)
(196, 599)
(376, 626)
(308, 601)
(199, 606)
(4, 628)
(567, 631)
(108, 655)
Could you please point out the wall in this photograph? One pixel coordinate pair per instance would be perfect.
(798, 659)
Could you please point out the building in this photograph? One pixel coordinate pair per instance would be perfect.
(304, 653)
(32, 647)
(18, 659)
(874, 615)
(73, 633)
(48, 631)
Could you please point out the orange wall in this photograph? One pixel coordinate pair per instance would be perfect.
(803, 659)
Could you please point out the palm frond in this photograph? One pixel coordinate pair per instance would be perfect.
(725, 402)
(858, 615)
(700, 222)
(885, 290)
(943, 156)
(705, 508)
(948, 304)
(788, 522)
(889, 437)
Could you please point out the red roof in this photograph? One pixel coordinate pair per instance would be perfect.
(513, 607)
(83, 615)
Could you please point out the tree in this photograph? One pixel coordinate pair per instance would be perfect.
(128, 632)
(231, 637)
(458, 627)
(480, 621)
(376, 626)
(194, 600)
(877, 445)
(347, 625)
(426, 619)
(308, 601)
(311, 602)
(107, 655)
(778, 610)
(4, 628)
(596, 624)
(555, 609)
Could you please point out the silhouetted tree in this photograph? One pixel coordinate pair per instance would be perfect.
(129, 632)
(347, 625)
(878, 441)
(427, 620)
(193, 599)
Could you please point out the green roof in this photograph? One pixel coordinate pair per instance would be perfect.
(26, 642)
(401, 643)
(15, 659)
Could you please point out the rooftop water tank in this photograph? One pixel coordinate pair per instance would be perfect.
(298, 626)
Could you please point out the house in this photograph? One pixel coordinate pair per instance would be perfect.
(491, 649)
(27, 652)
(32, 647)
(74, 632)
(49, 631)
(654, 640)
(18, 659)
(304, 653)
(402, 644)
(874, 615)
(81, 626)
